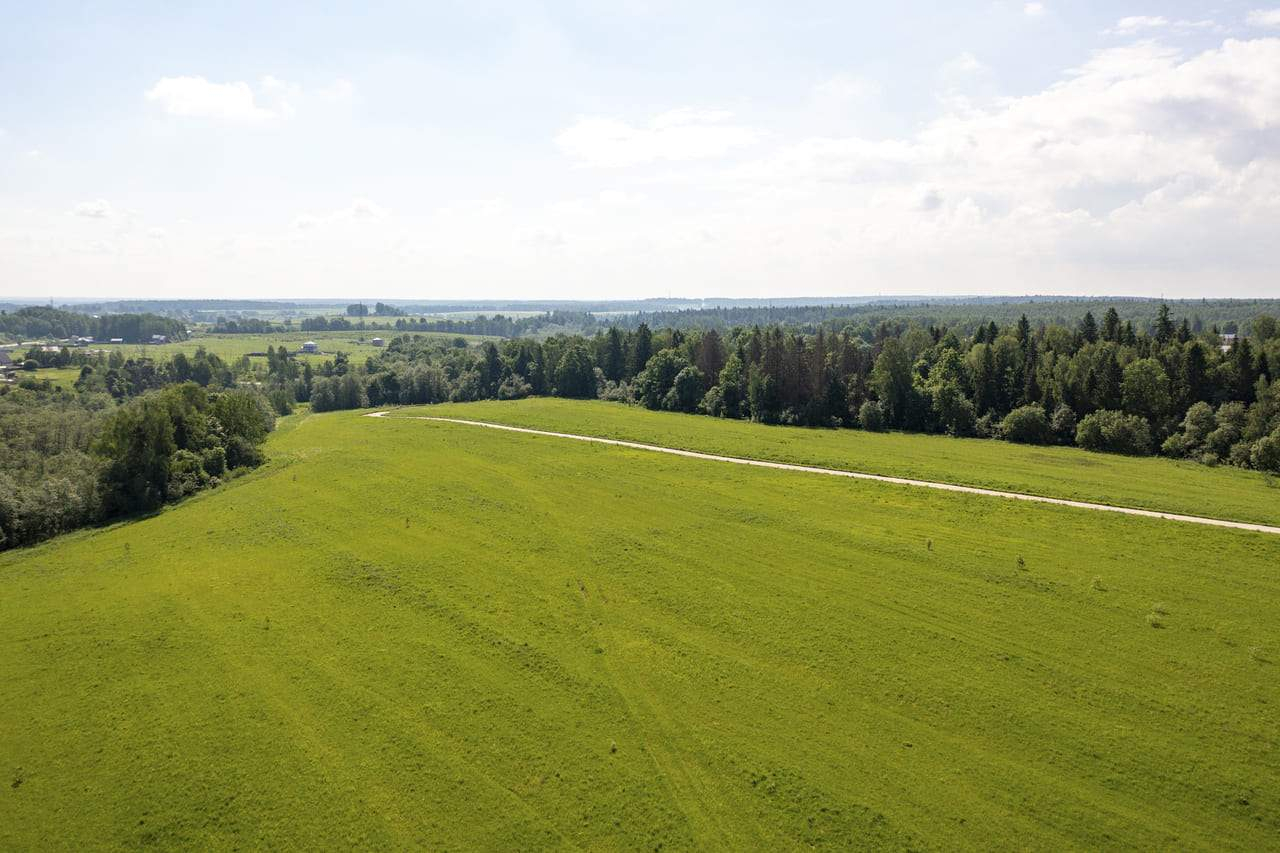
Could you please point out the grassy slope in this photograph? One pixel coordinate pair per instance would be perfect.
(404, 633)
(1063, 472)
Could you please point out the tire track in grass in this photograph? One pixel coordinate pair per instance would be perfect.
(686, 785)
(855, 475)
(306, 730)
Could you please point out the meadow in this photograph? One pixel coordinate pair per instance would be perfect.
(61, 377)
(355, 343)
(401, 633)
(1060, 472)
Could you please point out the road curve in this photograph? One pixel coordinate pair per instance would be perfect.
(856, 475)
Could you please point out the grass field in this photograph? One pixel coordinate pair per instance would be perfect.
(411, 634)
(1061, 472)
(62, 377)
(354, 343)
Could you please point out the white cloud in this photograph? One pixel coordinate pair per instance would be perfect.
(965, 80)
(96, 209)
(1033, 10)
(282, 94)
(1134, 24)
(361, 210)
(684, 134)
(1138, 150)
(196, 97)
(1264, 18)
(271, 98)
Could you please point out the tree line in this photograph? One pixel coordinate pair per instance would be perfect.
(1103, 384)
(135, 432)
(41, 322)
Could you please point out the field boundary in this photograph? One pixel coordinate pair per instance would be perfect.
(855, 475)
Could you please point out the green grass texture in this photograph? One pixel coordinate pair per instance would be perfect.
(410, 634)
(1059, 472)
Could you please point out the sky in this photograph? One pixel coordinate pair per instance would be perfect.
(639, 148)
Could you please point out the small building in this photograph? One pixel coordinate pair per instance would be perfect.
(1226, 342)
(159, 339)
(310, 346)
(377, 342)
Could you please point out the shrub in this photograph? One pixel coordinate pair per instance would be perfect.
(713, 402)
(1063, 425)
(1114, 432)
(955, 413)
(618, 392)
(214, 461)
(686, 391)
(1265, 455)
(281, 402)
(1026, 425)
(1231, 422)
(514, 387)
(1176, 446)
(988, 426)
(871, 416)
(186, 475)
(242, 454)
(657, 378)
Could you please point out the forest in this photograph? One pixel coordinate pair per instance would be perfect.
(136, 432)
(36, 322)
(961, 316)
(133, 436)
(1101, 384)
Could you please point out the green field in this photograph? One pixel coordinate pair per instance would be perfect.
(354, 343)
(410, 634)
(1061, 472)
(62, 377)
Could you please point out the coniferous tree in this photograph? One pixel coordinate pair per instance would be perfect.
(1164, 325)
(710, 356)
(1109, 396)
(1241, 356)
(615, 361)
(1031, 391)
(1089, 328)
(1111, 329)
(641, 350)
(985, 381)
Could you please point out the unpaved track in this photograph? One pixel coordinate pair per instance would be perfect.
(856, 475)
